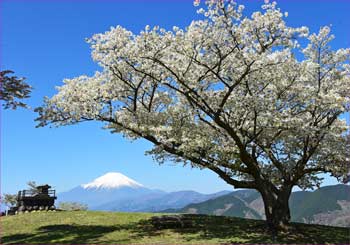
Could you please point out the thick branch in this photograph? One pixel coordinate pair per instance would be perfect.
(179, 153)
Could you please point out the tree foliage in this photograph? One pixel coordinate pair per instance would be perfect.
(9, 200)
(72, 206)
(12, 90)
(32, 186)
(231, 93)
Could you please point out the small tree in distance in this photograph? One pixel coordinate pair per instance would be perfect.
(234, 94)
(32, 186)
(13, 88)
(72, 206)
(9, 200)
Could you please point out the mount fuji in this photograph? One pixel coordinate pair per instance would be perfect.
(112, 181)
(117, 192)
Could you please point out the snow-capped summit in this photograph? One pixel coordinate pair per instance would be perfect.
(112, 180)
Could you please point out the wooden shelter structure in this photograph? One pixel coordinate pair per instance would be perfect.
(40, 198)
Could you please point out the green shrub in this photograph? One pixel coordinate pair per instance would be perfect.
(72, 206)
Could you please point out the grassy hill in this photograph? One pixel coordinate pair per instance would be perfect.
(87, 227)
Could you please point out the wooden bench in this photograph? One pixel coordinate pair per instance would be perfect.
(171, 221)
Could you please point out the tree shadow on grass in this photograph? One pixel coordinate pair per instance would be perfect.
(83, 234)
(238, 230)
(323, 234)
(202, 228)
(60, 233)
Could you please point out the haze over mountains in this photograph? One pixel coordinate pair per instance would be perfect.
(116, 192)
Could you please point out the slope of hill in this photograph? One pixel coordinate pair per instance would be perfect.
(227, 205)
(328, 205)
(90, 227)
(322, 200)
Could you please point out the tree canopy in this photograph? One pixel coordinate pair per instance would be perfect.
(12, 90)
(235, 94)
(72, 206)
(9, 200)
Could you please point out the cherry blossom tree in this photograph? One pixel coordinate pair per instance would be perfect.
(13, 88)
(231, 93)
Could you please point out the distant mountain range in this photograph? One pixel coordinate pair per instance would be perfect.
(117, 192)
(329, 205)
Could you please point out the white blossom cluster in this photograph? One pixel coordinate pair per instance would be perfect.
(233, 93)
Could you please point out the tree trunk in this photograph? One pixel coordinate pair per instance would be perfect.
(277, 209)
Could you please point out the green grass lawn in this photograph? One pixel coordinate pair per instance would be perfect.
(88, 227)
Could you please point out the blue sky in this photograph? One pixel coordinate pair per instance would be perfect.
(44, 42)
